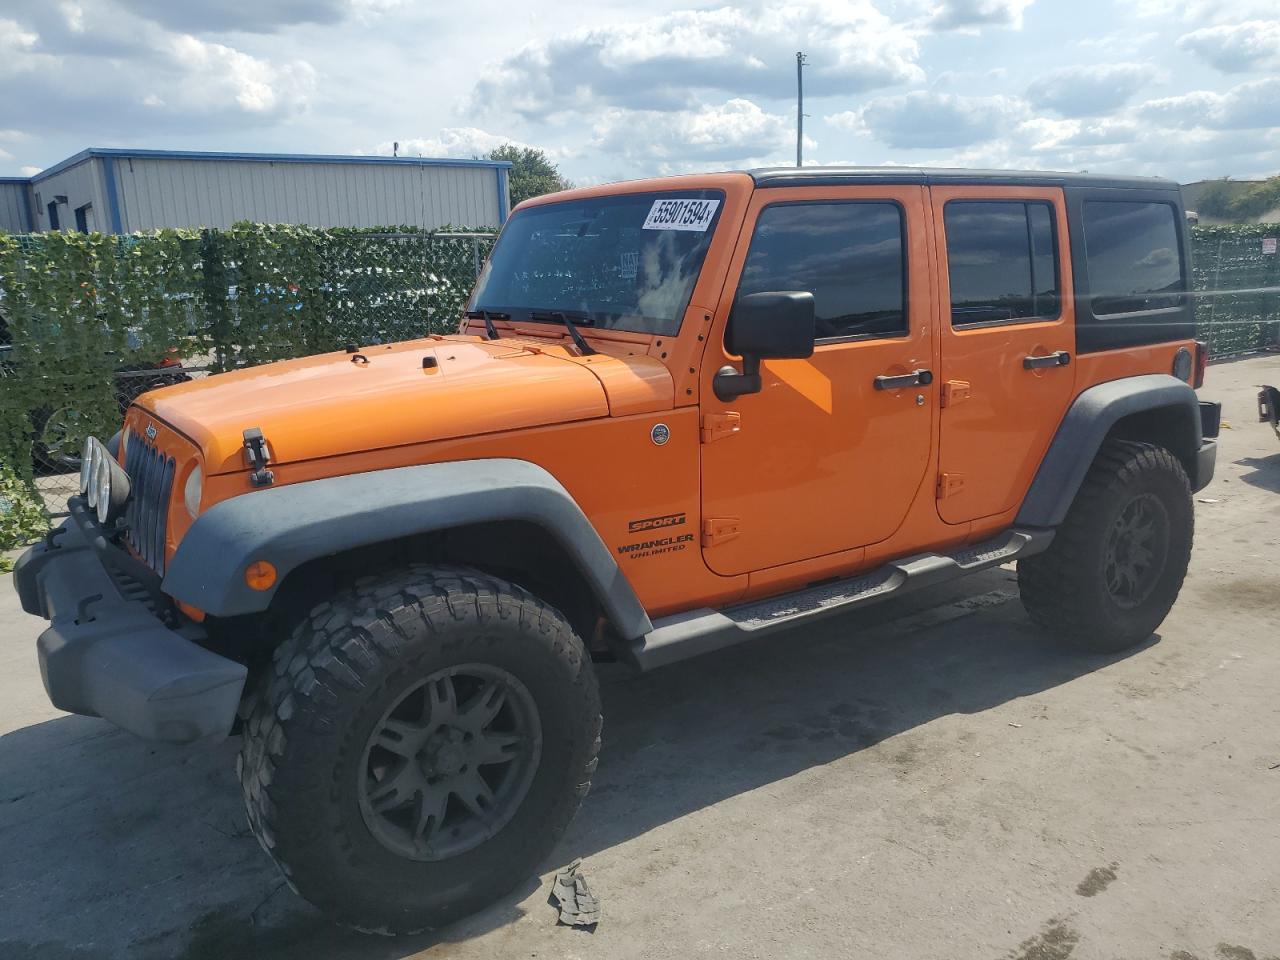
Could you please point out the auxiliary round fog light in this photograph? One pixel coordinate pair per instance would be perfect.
(113, 488)
(86, 466)
(98, 475)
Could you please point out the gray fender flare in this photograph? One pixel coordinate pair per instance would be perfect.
(289, 525)
(1086, 425)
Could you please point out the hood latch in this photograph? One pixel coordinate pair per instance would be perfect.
(258, 453)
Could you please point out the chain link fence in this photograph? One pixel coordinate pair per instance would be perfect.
(1236, 276)
(87, 324)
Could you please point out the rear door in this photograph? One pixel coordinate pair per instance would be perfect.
(823, 459)
(1007, 339)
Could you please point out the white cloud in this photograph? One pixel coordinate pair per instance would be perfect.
(73, 15)
(925, 119)
(1252, 105)
(664, 62)
(736, 132)
(1204, 11)
(17, 48)
(29, 171)
(972, 14)
(1236, 47)
(1088, 90)
(464, 142)
(213, 75)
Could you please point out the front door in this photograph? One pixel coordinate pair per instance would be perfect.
(1008, 339)
(829, 455)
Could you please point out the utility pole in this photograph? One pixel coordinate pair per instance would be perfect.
(801, 60)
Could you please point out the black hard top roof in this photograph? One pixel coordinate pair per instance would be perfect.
(832, 176)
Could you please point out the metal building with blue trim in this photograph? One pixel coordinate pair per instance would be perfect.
(122, 191)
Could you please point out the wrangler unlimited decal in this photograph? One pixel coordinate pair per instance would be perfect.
(651, 548)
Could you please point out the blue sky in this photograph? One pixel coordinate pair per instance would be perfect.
(617, 90)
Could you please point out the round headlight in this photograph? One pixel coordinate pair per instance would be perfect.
(86, 467)
(193, 490)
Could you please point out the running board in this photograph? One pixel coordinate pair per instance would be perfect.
(696, 632)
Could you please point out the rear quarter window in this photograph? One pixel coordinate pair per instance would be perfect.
(1136, 270)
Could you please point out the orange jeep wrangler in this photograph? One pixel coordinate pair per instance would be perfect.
(678, 414)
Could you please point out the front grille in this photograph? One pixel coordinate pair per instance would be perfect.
(150, 484)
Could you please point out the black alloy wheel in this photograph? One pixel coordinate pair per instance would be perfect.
(449, 764)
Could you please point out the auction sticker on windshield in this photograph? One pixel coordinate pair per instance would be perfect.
(681, 215)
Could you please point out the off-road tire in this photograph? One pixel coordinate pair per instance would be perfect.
(1065, 589)
(312, 713)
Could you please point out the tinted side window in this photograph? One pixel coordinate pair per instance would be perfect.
(850, 256)
(1002, 259)
(1131, 250)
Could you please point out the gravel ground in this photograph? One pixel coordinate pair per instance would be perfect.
(927, 779)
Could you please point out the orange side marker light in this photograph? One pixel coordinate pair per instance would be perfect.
(260, 575)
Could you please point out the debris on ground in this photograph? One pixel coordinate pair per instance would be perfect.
(1206, 500)
(570, 893)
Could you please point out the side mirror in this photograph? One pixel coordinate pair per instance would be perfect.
(765, 326)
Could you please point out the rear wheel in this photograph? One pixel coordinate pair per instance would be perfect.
(419, 746)
(1116, 564)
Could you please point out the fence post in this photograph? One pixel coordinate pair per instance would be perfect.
(475, 255)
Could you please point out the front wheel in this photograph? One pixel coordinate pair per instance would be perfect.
(419, 745)
(1116, 564)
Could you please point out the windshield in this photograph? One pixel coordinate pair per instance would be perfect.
(623, 262)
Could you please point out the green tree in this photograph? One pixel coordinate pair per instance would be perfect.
(532, 172)
(1216, 198)
(1260, 198)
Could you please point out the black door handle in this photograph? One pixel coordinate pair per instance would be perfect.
(1059, 359)
(916, 378)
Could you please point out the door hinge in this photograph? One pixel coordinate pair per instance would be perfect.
(718, 530)
(953, 391)
(949, 484)
(717, 426)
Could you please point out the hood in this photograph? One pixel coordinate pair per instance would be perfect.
(433, 389)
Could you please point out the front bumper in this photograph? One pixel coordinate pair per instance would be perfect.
(109, 651)
(1207, 455)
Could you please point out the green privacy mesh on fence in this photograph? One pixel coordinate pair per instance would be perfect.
(1236, 274)
(86, 319)
(87, 322)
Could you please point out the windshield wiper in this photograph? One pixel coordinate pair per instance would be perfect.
(488, 316)
(569, 325)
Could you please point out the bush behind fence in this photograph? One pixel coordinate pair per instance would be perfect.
(89, 320)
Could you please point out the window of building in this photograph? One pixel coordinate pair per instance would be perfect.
(851, 256)
(84, 218)
(1002, 259)
(53, 216)
(1132, 254)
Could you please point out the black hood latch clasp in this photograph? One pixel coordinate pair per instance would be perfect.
(258, 453)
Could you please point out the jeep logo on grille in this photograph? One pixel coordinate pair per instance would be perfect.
(150, 431)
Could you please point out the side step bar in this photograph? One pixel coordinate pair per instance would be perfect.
(696, 632)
